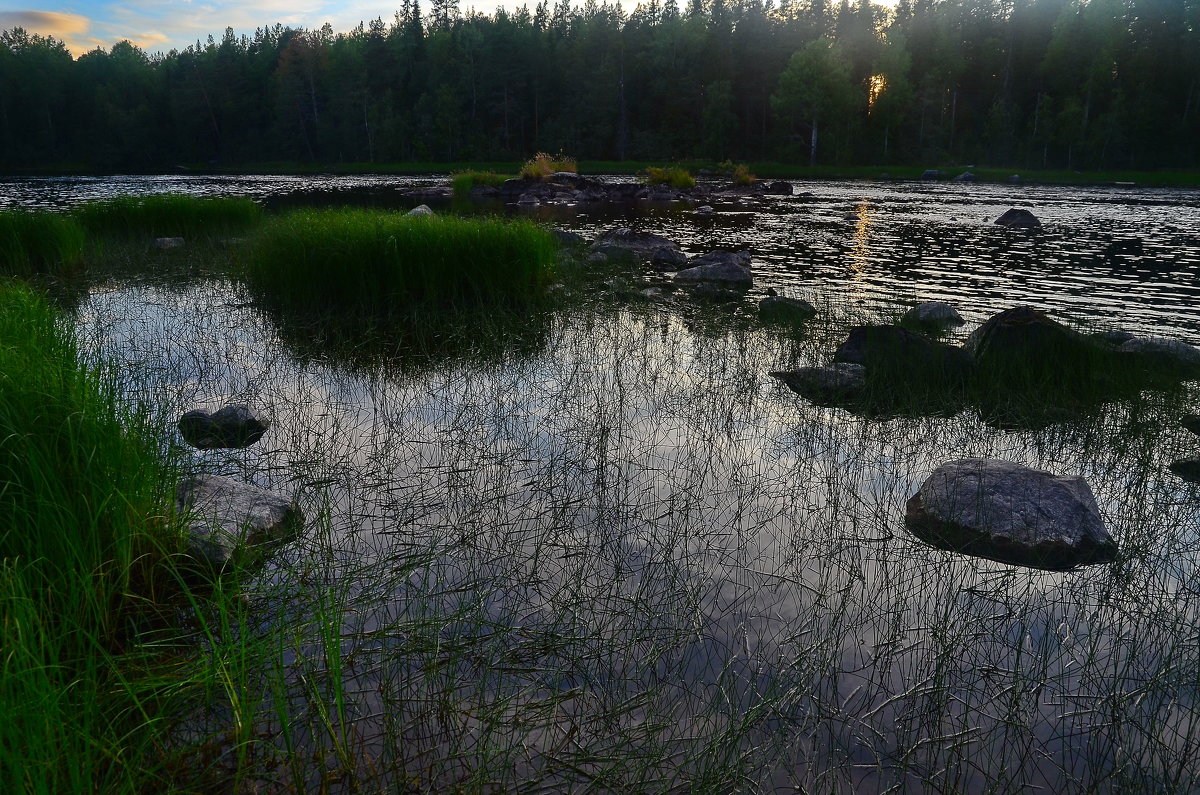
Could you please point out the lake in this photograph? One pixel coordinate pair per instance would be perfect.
(608, 552)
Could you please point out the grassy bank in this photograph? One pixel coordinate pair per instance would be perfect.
(385, 264)
(82, 545)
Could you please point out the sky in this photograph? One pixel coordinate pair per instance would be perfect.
(162, 25)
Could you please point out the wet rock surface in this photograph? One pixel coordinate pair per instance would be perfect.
(1010, 513)
(1019, 219)
(835, 384)
(232, 426)
(932, 315)
(230, 522)
(786, 311)
(730, 267)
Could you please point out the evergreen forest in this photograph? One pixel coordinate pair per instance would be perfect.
(1076, 84)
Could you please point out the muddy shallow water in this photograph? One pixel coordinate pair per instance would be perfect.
(616, 555)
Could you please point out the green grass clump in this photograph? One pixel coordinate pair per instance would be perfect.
(387, 264)
(543, 165)
(168, 215)
(83, 533)
(39, 243)
(674, 176)
(463, 181)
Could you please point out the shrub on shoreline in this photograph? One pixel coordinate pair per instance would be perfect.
(674, 176)
(543, 165)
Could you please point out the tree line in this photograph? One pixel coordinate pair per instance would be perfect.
(1027, 83)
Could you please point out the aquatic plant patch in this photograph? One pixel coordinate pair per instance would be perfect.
(168, 215)
(39, 243)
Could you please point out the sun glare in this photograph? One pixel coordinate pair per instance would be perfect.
(875, 86)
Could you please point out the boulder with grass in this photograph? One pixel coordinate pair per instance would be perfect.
(1024, 347)
(782, 310)
(229, 522)
(726, 267)
(896, 356)
(1010, 513)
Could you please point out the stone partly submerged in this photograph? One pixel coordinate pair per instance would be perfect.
(1016, 218)
(729, 267)
(1191, 422)
(631, 244)
(894, 354)
(835, 385)
(1025, 344)
(1188, 469)
(785, 311)
(232, 426)
(1012, 514)
(229, 522)
(1163, 354)
(932, 316)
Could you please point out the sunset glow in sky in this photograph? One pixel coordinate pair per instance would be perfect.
(174, 24)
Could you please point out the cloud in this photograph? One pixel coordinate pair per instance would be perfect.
(45, 23)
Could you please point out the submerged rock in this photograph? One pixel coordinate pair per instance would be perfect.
(1018, 219)
(932, 315)
(1010, 513)
(231, 522)
(838, 383)
(1188, 469)
(781, 309)
(231, 426)
(730, 267)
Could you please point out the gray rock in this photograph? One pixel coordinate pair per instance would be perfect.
(933, 314)
(1115, 337)
(728, 267)
(781, 309)
(705, 210)
(164, 243)
(966, 176)
(421, 209)
(1019, 219)
(1191, 422)
(778, 188)
(838, 383)
(231, 426)
(1188, 469)
(1163, 353)
(668, 259)
(1010, 513)
(569, 239)
(228, 522)
(630, 243)
(1024, 346)
(896, 355)
(1014, 179)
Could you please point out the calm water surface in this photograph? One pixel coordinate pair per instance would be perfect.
(617, 556)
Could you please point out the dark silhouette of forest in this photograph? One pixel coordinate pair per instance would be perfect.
(1027, 83)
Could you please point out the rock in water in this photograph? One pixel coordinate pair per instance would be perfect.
(1164, 354)
(839, 383)
(1019, 219)
(1191, 422)
(935, 315)
(630, 243)
(1010, 513)
(1188, 469)
(895, 354)
(731, 267)
(227, 520)
(231, 426)
(1023, 347)
(784, 310)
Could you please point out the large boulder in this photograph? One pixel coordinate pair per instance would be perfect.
(231, 522)
(1010, 513)
(729, 267)
(1018, 219)
(629, 243)
(231, 426)
(778, 188)
(897, 355)
(1023, 347)
(833, 385)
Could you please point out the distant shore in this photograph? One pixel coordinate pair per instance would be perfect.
(766, 170)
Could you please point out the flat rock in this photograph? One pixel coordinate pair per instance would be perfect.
(228, 521)
(730, 267)
(1010, 513)
(626, 242)
(933, 314)
(1018, 219)
(838, 383)
(784, 310)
